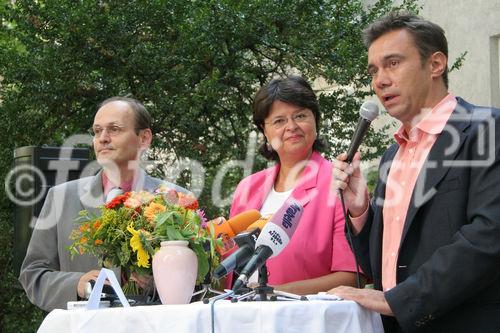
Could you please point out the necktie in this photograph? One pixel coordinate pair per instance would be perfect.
(113, 193)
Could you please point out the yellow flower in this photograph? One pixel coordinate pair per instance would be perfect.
(84, 227)
(153, 209)
(136, 245)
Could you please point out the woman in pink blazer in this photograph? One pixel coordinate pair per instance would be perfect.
(318, 257)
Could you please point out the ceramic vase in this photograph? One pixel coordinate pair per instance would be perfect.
(175, 267)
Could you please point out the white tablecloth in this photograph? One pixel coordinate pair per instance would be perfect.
(241, 317)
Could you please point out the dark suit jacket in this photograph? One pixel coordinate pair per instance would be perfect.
(448, 269)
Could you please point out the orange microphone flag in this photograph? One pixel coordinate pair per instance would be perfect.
(230, 228)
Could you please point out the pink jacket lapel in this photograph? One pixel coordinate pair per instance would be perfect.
(305, 190)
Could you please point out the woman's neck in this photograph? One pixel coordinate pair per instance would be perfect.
(290, 171)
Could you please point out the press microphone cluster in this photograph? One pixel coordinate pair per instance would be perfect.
(235, 261)
(246, 245)
(273, 238)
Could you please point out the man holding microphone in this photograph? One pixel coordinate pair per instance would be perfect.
(429, 236)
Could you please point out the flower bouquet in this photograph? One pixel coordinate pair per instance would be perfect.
(131, 227)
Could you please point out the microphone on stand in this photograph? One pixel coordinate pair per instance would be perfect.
(246, 245)
(260, 223)
(230, 228)
(367, 113)
(273, 238)
(227, 230)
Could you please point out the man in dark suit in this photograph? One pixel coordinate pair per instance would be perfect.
(430, 236)
(121, 133)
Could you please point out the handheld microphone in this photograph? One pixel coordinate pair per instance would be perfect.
(228, 229)
(367, 113)
(273, 238)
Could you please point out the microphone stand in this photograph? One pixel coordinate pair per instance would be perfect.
(264, 292)
(206, 286)
(205, 289)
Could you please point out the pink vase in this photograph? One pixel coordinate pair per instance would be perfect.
(175, 267)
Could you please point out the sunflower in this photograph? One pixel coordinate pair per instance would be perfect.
(136, 245)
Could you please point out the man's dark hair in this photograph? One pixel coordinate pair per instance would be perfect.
(292, 90)
(428, 37)
(142, 117)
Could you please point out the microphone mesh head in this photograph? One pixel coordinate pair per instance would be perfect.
(369, 110)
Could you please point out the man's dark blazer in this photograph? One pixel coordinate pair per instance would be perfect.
(448, 268)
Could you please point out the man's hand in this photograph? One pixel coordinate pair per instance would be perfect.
(143, 281)
(349, 179)
(373, 300)
(92, 275)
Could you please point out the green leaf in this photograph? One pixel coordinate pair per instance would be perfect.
(124, 254)
(174, 234)
(146, 243)
(203, 265)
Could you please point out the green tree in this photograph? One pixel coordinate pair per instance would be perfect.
(195, 64)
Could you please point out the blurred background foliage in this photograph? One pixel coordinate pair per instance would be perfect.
(195, 65)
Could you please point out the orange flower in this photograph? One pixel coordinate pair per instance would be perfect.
(84, 227)
(132, 203)
(98, 242)
(117, 200)
(83, 240)
(187, 201)
(96, 224)
(153, 209)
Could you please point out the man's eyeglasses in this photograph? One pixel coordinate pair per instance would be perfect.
(112, 130)
(298, 118)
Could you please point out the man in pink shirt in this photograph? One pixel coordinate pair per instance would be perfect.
(432, 228)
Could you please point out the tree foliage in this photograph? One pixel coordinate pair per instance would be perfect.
(195, 64)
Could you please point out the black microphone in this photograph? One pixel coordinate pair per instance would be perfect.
(262, 253)
(237, 260)
(367, 113)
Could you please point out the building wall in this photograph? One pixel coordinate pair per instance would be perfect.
(472, 26)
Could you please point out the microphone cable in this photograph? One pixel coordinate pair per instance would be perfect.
(349, 237)
(212, 307)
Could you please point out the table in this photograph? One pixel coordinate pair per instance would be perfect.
(243, 317)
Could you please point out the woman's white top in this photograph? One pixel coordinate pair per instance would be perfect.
(274, 201)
